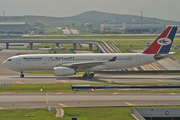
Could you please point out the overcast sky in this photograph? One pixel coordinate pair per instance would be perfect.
(163, 9)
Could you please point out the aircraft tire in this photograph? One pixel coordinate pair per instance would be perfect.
(85, 75)
(22, 75)
(91, 75)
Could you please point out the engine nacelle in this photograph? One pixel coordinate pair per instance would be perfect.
(62, 71)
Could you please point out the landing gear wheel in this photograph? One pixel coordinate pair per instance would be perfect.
(85, 75)
(91, 75)
(22, 75)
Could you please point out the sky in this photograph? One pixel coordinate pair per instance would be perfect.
(163, 9)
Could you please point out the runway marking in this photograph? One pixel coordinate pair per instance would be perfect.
(172, 93)
(19, 82)
(128, 103)
(62, 105)
(160, 80)
(159, 75)
(1, 108)
(64, 81)
(115, 93)
(109, 80)
(59, 93)
(46, 98)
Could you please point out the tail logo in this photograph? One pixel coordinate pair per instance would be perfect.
(164, 41)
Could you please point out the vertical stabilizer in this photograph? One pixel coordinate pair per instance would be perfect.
(163, 43)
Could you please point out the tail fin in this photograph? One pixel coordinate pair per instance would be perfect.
(113, 59)
(163, 43)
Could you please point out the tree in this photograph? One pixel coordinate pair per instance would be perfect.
(39, 24)
(73, 24)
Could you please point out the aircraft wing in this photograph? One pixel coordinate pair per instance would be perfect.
(91, 64)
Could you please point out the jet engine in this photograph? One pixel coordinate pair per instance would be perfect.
(62, 71)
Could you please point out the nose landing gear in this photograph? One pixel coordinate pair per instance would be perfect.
(22, 75)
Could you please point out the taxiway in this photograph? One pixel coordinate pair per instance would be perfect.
(51, 79)
(88, 99)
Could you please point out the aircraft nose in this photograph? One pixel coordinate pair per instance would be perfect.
(4, 63)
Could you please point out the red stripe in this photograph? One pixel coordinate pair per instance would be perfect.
(154, 47)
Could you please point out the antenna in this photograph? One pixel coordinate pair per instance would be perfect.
(3, 13)
(141, 18)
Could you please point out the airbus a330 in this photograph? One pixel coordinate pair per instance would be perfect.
(69, 64)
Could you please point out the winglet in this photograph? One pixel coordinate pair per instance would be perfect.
(113, 59)
(163, 43)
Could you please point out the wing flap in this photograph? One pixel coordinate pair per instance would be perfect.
(81, 65)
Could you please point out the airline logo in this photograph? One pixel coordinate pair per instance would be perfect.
(113, 59)
(164, 41)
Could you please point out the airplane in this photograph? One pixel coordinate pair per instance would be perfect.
(69, 64)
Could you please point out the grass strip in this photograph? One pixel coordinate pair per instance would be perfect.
(95, 113)
(66, 87)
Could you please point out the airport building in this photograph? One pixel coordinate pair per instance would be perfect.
(131, 27)
(13, 26)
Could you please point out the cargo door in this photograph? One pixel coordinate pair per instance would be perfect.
(138, 58)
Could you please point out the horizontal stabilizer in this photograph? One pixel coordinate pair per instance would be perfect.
(163, 56)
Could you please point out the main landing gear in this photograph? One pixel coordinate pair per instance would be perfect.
(22, 75)
(88, 75)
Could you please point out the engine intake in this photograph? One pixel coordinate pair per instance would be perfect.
(63, 71)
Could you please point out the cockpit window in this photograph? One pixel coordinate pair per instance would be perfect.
(9, 60)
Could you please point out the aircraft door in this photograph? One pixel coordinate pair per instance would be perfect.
(138, 58)
(18, 61)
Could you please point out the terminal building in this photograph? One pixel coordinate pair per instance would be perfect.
(131, 27)
(13, 27)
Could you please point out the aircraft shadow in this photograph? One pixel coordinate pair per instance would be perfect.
(95, 79)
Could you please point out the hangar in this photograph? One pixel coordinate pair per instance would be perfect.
(13, 27)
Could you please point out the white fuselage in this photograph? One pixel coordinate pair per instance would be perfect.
(49, 61)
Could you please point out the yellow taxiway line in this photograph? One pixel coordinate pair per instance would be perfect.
(128, 103)
(62, 105)
(6, 93)
(172, 93)
(115, 93)
(64, 81)
(19, 82)
(160, 80)
(1, 108)
(59, 93)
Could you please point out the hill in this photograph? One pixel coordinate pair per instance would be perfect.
(89, 16)
(102, 16)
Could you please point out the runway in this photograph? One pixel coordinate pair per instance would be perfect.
(51, 79)
(88, 99)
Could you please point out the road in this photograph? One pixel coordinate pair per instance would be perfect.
(88, 99)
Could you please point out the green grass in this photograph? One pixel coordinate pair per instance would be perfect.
(19, 114)
(37, 87)
(66, 87)
(95, 113)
